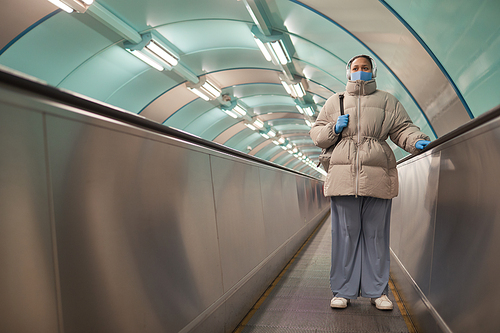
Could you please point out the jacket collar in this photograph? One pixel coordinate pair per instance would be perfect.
(361, 87)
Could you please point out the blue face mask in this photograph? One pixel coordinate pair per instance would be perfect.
(360, 75)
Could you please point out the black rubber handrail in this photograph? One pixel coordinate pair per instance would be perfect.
(35, 86)
(476, 122)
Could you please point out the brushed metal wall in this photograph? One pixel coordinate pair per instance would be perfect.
(109, 228)
(28, 295)
(446, 231)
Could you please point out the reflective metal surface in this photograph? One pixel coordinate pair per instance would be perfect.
(445, 234)
(28, 297)
(134, 231)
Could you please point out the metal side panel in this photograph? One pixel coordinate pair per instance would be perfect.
(278, 225)
(415, 210)
(135, 231)
(465, 267)
(28, 298)
(240, 221)
(448, 268)
(290, 197)
(136, 228)
(308, 199)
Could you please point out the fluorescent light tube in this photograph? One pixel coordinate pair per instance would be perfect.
(264, 135)
(252, 14)
(280, 50)
(281, 140)
(205, 90)
(239, 110)
(298, 90)
(88, 2)
(309, 111)
(299, 108)
(258, 123)
(263, 49)
(276, 142)
(211, 89)
(308, 123)
(199, 93)
(271, 133)
(147, 59)
(231, 113)
(251, 126)
(62, 5)
(287, 87)
(159, 51)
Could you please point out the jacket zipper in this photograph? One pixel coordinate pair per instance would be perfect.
(357, 145)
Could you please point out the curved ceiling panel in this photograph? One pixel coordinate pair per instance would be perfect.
(439, 58)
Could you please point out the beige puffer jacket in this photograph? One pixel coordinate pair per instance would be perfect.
(362, 163)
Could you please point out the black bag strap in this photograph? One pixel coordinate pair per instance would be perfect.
(341, 99)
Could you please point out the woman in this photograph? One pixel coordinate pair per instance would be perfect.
(362, 180)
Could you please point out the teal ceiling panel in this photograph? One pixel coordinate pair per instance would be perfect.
(293, 163)
(264, 100)
(256, 89)
(205, 120)
(274, 108)
(269, 151)
(320, 64)
(183, 117)
(142, 15)
(216, 60)
(317, 74)
(243, 139)
(50, 52)
(468, 46)
(294, 125)
(283, 159)
(305, 141)
(221, 124)
(136, 93)
(104, 74)
(310, 150)
(203, 35)
(310, 26)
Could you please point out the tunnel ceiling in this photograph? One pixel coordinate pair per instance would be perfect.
(439, 58)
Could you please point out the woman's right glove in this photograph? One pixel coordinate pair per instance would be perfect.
(421, 144)
(342, 122)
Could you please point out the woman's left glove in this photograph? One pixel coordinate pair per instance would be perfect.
(342, 122)
(421, 144)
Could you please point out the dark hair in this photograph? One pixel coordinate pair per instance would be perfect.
(361, 56)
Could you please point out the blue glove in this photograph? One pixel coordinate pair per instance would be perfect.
(341, 123)
(421, 144)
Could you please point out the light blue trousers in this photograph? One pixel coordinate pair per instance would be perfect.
(360, 246)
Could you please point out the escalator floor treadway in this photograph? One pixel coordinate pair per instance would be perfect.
(299, 299)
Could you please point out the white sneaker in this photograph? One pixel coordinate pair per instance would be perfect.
(339, 303)
(382, 303)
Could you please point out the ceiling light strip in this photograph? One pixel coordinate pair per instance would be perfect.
(62, 5)
(162, 53)
(114, 23)
(147, 59)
